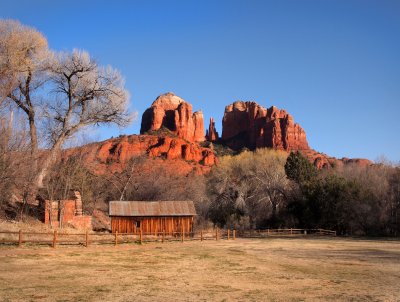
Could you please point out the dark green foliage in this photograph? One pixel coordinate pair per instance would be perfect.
(299, 169)
(349, 205)
(332, 202)
(219, 148)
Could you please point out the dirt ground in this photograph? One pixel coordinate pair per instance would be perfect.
(325, 269)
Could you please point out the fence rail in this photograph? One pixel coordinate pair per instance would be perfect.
(284, 232)
(88, 238)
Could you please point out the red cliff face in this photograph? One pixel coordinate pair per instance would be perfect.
(174, 133)
(212, 134)
(249, 125)
(171, 139)
(173, 113)
(113, 154)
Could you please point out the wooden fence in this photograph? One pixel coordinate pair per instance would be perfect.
(284, 232)
(88, 238)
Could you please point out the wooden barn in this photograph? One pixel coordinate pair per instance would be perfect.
(152, 216)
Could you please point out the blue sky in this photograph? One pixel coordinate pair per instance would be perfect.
(334, 65)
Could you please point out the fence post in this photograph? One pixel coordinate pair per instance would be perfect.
(183, 233)
(268, 232)
(291, 231)
(54, 239)
(229, 233)
(201, 235)
(216, 234)
(20, 238)
(87, 238)
(234, 234)
(335, 233)
(163, 236)
(141, 236)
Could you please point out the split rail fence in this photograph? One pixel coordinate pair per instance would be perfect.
(88, 238)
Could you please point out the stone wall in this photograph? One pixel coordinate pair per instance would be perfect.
(61, 213)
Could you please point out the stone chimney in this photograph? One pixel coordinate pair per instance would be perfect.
(78, 204)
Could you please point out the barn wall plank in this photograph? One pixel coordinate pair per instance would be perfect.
(152, 225)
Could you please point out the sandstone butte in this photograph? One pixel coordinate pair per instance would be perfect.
(171, 112)
(249, 125)
(172, 135)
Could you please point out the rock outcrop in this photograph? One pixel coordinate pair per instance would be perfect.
(211, 133)
(322, 160)
(171, 136)
(249, 125)
(113, 154)
(173, 113)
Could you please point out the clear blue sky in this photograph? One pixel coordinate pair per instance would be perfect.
(334, 65)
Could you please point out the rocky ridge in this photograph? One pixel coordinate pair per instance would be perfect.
(172, 136)
(113, 154)
(251, 126)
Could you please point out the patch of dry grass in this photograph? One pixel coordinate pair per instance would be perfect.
(242, 270)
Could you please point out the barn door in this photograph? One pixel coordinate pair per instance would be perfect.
(137, 226)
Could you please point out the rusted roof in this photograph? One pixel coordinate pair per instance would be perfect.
(152, 208)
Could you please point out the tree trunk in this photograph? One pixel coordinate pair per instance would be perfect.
(48, 162)
(34, 142)
(9, 128)
(32, 188)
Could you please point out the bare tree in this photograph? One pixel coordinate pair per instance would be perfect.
(23, 51)
(14, 175)
(268, 171)
(79, 92)
(251, 184)
(85, 94)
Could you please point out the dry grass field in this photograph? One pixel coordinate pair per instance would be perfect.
(325, 269)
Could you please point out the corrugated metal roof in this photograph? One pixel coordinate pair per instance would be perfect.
(152, 208)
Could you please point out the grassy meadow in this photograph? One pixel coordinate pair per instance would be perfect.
(276, 269)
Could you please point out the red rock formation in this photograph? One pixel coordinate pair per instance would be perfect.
(172, 135)
(176, 133)
(173, 113)
(322, 160)
(212, 134)
(113, 154)
(249, 125)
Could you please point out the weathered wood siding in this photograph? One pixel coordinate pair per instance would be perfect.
(169, 224)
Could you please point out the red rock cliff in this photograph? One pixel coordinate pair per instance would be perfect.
(173, 113)
(212, 134)
(113, 154)
(247, 124)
